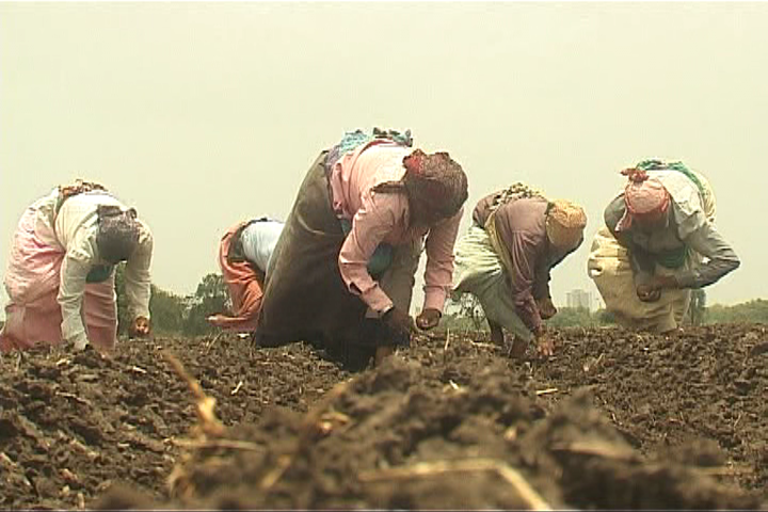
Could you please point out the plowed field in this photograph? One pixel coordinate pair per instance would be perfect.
(615, 420)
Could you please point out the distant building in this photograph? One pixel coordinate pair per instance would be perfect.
(579, 299)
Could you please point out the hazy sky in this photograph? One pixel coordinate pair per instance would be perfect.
(200, 114)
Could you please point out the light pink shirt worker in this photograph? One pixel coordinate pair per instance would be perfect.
(384, 217)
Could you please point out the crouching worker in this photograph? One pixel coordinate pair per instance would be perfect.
(244, 254)
(61, 279)
(650, 253)
(343, 271)
(516, 238)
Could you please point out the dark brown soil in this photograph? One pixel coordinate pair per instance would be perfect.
(75, 424)
(707, 387)
(614, 420)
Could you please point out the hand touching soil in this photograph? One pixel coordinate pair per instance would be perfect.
(428, 319)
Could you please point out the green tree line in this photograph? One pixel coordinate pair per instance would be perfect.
(186, 315)
(176, 314)
(753, 311)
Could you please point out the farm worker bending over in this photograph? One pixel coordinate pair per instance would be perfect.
(343, 270)
(60, 278)
(650, 253)
(244, 254)
(516, 238)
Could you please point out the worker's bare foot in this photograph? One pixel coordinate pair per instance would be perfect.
(673, 330)
(497, 334)
(382, 353)
(518, 348)
(104, 352)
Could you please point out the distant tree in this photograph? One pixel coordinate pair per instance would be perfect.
(698, 306)
(572, 317)
(605, 317)
(753, 311)
(165, 309)
(465, 312)
(467, 306)
(210, 297)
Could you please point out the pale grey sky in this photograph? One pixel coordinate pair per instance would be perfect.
(202, 114)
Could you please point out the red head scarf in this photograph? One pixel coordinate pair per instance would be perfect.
(440, 182)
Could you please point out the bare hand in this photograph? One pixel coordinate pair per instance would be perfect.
(140, 327)
(546, 308)
(651, 291)
(544, 342)
(81, 343)
(545, 346)
(648, 294)
(428, 319)
(398, 320)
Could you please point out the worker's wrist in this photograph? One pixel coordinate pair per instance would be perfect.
(386, 312)
(671, 282)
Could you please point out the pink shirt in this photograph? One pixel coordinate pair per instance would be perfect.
(384, 217)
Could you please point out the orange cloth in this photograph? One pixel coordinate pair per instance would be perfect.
(246, 288)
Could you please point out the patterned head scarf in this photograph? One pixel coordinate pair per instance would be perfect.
(517, 190)
(79, 187)
(645, 198)
(118, 233)
(357, 138)
(438, 181)
(565, 223)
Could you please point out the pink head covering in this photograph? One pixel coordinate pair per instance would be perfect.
(645, 198)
